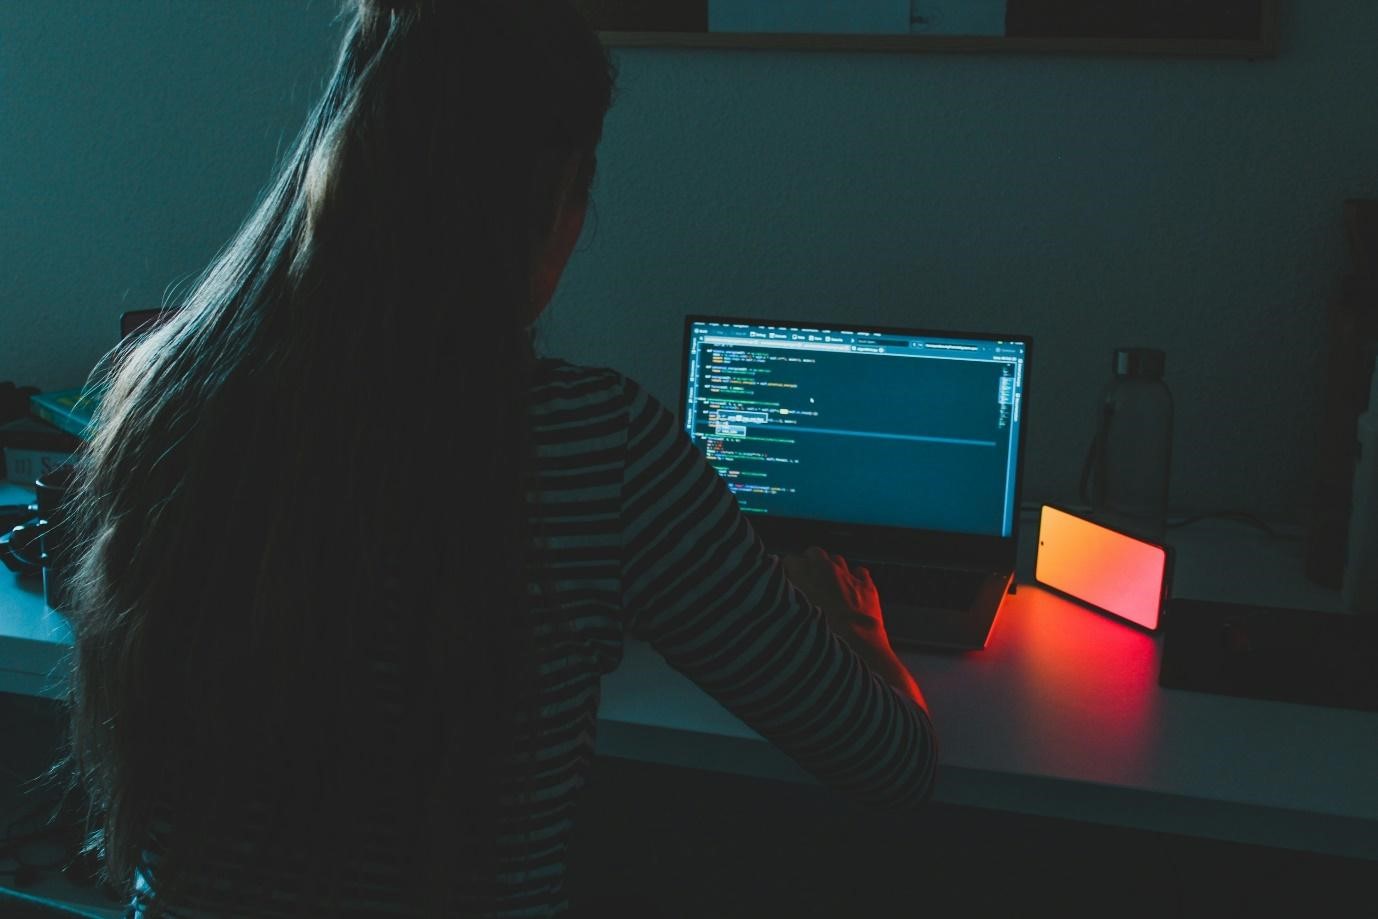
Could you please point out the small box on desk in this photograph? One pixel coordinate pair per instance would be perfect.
(1263, 652)
(69, 410)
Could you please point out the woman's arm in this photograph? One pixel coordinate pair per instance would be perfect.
(700, 587)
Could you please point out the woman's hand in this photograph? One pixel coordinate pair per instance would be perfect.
(849, 599)
(846, 594)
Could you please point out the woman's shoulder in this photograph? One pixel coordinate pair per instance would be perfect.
(568, 394)
(559, 380)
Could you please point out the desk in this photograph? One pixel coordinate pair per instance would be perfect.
(1060, 716)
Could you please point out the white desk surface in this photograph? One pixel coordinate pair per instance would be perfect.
(1061, 715)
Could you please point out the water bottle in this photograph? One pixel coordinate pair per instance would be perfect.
(1125, 477)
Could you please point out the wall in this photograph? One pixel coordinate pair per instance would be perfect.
(134, 136)
(1192, 205)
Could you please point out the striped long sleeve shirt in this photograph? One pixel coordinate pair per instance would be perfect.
(643, 540)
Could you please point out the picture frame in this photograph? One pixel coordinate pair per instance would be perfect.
(1183, 28)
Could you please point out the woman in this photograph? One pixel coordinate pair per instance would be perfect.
(354, 560)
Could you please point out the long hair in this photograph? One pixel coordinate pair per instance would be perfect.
(311, 486)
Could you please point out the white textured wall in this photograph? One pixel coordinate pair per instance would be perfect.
(1192, 205)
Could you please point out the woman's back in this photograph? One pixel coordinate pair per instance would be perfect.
(639, 541)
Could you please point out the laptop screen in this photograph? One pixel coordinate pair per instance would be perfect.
(885, 427)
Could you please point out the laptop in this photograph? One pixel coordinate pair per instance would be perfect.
(900, 449)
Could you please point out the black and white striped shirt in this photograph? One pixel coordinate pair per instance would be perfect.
(644, 540)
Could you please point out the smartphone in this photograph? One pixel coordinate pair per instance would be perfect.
(1102, 567)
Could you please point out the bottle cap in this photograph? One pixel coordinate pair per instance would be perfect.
(1139, 362)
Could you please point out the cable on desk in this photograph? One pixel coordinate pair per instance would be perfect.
(1244, 517)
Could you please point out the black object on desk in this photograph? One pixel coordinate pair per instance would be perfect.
(1264, 652)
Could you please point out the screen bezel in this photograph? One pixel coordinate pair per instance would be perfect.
(964, 549)
(1169, 558)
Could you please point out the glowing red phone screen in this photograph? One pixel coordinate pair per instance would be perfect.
(1118, 573)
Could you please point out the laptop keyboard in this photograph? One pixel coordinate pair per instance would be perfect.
(944, 588)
